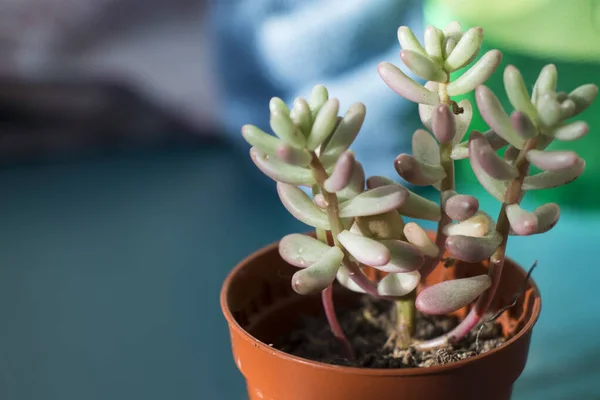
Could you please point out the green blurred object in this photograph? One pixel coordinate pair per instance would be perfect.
(532, 34)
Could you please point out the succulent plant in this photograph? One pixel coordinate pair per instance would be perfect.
(359, 223)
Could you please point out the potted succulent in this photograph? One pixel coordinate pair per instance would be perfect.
(377, 306)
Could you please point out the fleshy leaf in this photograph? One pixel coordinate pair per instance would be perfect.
(417, 172)
(522, 222)
(493, 186)
(546, 82)
(583, 96)
(571, 131)
(443, 124)
(374, 201)
(463, 120)
(301, 250)
(460, 207)
(280, 171)
(283, 127)
(405, 86)
(495, 116)
(397, 285)
(433, 43)
(550, 179)
(364, 250)
(517, 92)
(479, 225)
(476, 75)
(547, 216)
(344, 134)
(404, 257)
(301, 206)
(473, 249)
(419, 238)
(548, 109)
(552, 160)
(449, 296)
(414, 206)
(567, 109)
(465, 50)
(511, 154)
(482, 154)
(292, 155)
(276, 104)
(343, 277)
(325, 122)
(461, 150)
(425, 148)
(318, 97)
(260, 140)
(408, 40)
(319, 275)
(423, 66)
(301, 115)
(523, 125)
(342, 172)
(356, 185)
(381, 226)
(320, 201)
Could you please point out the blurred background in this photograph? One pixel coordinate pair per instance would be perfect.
(127, 193)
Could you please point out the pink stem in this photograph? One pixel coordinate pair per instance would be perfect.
(334, 324)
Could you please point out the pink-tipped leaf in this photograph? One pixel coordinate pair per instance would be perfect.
(495, 116)
(522, 222)
(473, 249)
(517, 92)
(419, 238)
(365, 250)
(404, 257)
(279, 171)
(301, 206)
(374, 201)
(342, 173)
(570, 131)
(400, 83)
(417, 172)
(260, 140)
(443, 123)
(292, 155)
(476, 75)
(320, 274)
(301, 250)
(550, 179)
(523, 125)
(423, 66)
(495, 187)
(397, 285)
(583, 96)
(482, 154)
(344, 134)
(552, 160)
(449, 296)
(355, 186)
(460, 207)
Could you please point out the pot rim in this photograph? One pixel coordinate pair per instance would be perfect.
(355, 370)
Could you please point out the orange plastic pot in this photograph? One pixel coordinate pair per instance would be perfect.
(260, 306)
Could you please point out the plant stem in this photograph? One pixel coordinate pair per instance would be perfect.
(334, 324)
(405, 320)
(513, 196)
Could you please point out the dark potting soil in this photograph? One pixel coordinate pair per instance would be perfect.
(369, 327)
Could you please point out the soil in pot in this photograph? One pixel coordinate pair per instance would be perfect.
(369, 327)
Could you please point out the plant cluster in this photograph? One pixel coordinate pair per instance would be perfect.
(359, 222)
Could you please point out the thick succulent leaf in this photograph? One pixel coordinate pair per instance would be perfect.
(408, 40)
(344, 134)
(517, 92)
(522, 222)
(567, 109)
(549, 113)
(419, 238)
(547, 216)
(405, 86)
(260, 140)
(364, 250)
(425, 148)
(571, 131)
(320, 201)
(493, 186)
(473, 249)
(423, 66)
(301, 115)
(460, 207)
(545, 83)
(320, 275)
(301, 250)
(404, 257)
(583, 96)
(463, 120)
(550, 179)
(443, 124)
(482, 154)
(374, 201)
(433, 43)
(343, 277)
(342, 173)
(318, 97)
(511, 154)
(495, 116)
(278, 105)
(324, 124)
(356, 185)
(301, 206)
(418, 172)
(292, 155)
(476, 75)
(552, 160)
(283, 127)
(465, 50)
(414, 206)
(397, 285)
(479, 225)
(280, 171)
(449, 296)
(381, 226)
(523, 125)
(461, 150)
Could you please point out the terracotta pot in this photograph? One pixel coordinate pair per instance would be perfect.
(260, 305)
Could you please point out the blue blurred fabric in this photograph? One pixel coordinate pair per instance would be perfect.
(266, 48)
